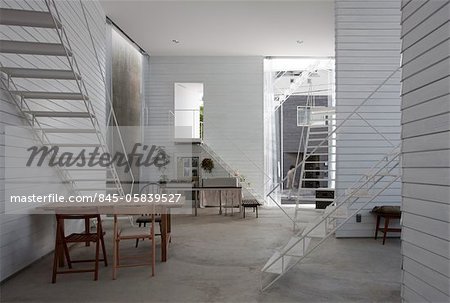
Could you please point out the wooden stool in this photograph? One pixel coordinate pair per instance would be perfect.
(62, 250)
(250, 203)
(387, 213)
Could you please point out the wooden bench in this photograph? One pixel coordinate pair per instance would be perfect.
(387, 213)
(250, 203)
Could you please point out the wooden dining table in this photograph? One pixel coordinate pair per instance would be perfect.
(160, 208)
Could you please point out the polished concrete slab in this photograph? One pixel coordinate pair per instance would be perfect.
(216, 258)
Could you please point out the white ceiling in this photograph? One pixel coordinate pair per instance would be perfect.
(216, 28)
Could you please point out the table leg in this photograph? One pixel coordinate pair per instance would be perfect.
(164, 236)
(220, 202)
(386, 226)
(240, 202)
(377, 226)
(61, 256)
(196, 193)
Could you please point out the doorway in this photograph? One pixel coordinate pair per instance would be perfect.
(188, 111)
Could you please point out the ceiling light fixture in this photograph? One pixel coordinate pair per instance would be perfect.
(176, 41)
(299, 41)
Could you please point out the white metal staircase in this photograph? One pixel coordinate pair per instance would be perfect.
(247, 189)
(54, 114)
(322, 224)
(312, 234)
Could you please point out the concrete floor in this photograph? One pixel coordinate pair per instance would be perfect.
(218, 259)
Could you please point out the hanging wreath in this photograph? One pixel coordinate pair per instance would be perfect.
(207, 164)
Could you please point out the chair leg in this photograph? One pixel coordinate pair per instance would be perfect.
(377, 226)
(102, 239)
(386, 225)
(97, 253)
(87, 227)
(115, 265)
(256, 211)
(115, 243)
(66, 253)
(55, 256)
(137, 240)
(153, 245)
(243, 208)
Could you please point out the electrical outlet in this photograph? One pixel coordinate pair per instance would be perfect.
(358, 218)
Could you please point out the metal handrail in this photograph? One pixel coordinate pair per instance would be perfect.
(171, 113)
(108, 93)
(80, 84)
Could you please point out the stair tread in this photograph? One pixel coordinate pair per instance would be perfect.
(33, 48)
(296, 244)
(86, 169)
(39, 73)
(88, 180)
(318, 231)
(17, 17)
(68, 130)
(60, 114)
(276, 267)
(50, 95)
(318, 133)
(74, 144)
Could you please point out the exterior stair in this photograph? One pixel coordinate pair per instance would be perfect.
(317, 167)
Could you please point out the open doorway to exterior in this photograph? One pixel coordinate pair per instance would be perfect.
(188, 111)
(299, 116)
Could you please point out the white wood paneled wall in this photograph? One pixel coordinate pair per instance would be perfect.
(367, 52)
(233, 96)
(426, 151)
(25, 238)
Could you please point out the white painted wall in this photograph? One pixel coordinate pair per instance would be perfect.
(233, 100)
(25, 238)
(367, 52)
(426, 151)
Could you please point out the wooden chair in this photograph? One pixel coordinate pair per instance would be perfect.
(150, 188)
(62, 241)
(122, 233)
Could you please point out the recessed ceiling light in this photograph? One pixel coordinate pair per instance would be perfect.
(299, 41)
(176, 41)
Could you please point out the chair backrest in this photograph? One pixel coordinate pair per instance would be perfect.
(150, 188)
(133, 209)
